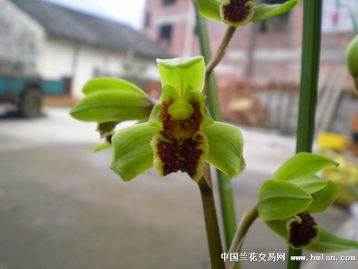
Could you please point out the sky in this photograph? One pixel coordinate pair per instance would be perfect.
(129, 12)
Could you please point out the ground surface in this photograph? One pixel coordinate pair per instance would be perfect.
(61, 207)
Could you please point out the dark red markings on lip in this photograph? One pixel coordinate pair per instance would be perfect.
(237, 11)
(301, 234)
(179, 149)
(179, 155)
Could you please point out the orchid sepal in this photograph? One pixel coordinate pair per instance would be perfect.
(291, 195)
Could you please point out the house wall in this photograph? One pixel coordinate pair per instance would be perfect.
(21, 40)
(273, 47)
(26, 48)
(275, 54)
(63, 58)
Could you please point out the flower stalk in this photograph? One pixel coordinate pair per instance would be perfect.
(247, 220)
(211, 224)
(221, 50)
(224, 185)
(309, 83)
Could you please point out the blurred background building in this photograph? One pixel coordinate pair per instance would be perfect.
(255, 49)
(259, 75)
(60, 204)
(56, 42)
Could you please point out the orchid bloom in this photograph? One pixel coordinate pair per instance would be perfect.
(240, 12)
(292, 194)
(179, 135)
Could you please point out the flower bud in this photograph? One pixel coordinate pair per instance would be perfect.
(352, 59)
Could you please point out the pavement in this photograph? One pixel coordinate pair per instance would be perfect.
(62, 207)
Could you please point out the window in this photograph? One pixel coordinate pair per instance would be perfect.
(147, 20)
(168, 2)
(165, 33)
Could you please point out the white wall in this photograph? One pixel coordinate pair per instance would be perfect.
(62, 58)
(21, 39)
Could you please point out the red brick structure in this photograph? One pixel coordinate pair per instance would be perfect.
(259, 75)
(266, 52)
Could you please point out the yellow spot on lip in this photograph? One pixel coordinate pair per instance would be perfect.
(180, 109)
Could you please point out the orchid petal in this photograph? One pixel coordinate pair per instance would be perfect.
(182, 74)
(280, 199)
(112, 106)
(225, 147)
(132, 151)
(105, 83)
(266, 11)
(302, 164)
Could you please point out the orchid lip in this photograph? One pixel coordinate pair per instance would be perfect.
(303, 231)
(237, 11)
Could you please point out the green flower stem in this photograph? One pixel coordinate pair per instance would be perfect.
(309, 83)
(224, 185)
(221, 50)
(246, 221)
(211, 224)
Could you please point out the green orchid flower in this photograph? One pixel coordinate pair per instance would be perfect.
(240, 12)
(180, 135)
(292, 194)
(109, 101)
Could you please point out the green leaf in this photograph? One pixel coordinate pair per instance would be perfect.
(112, 106)
(266, 11)
(330, 242)
(132, 152)
(302, 164)
(324, 198)
(280, 199)
(182, 74)
(102, 146)
(225, 147)
(209, 9)
(104, 83)
(310, 183)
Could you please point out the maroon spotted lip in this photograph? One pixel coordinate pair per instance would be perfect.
(237, 10)
(302, 234)
(179, 149)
